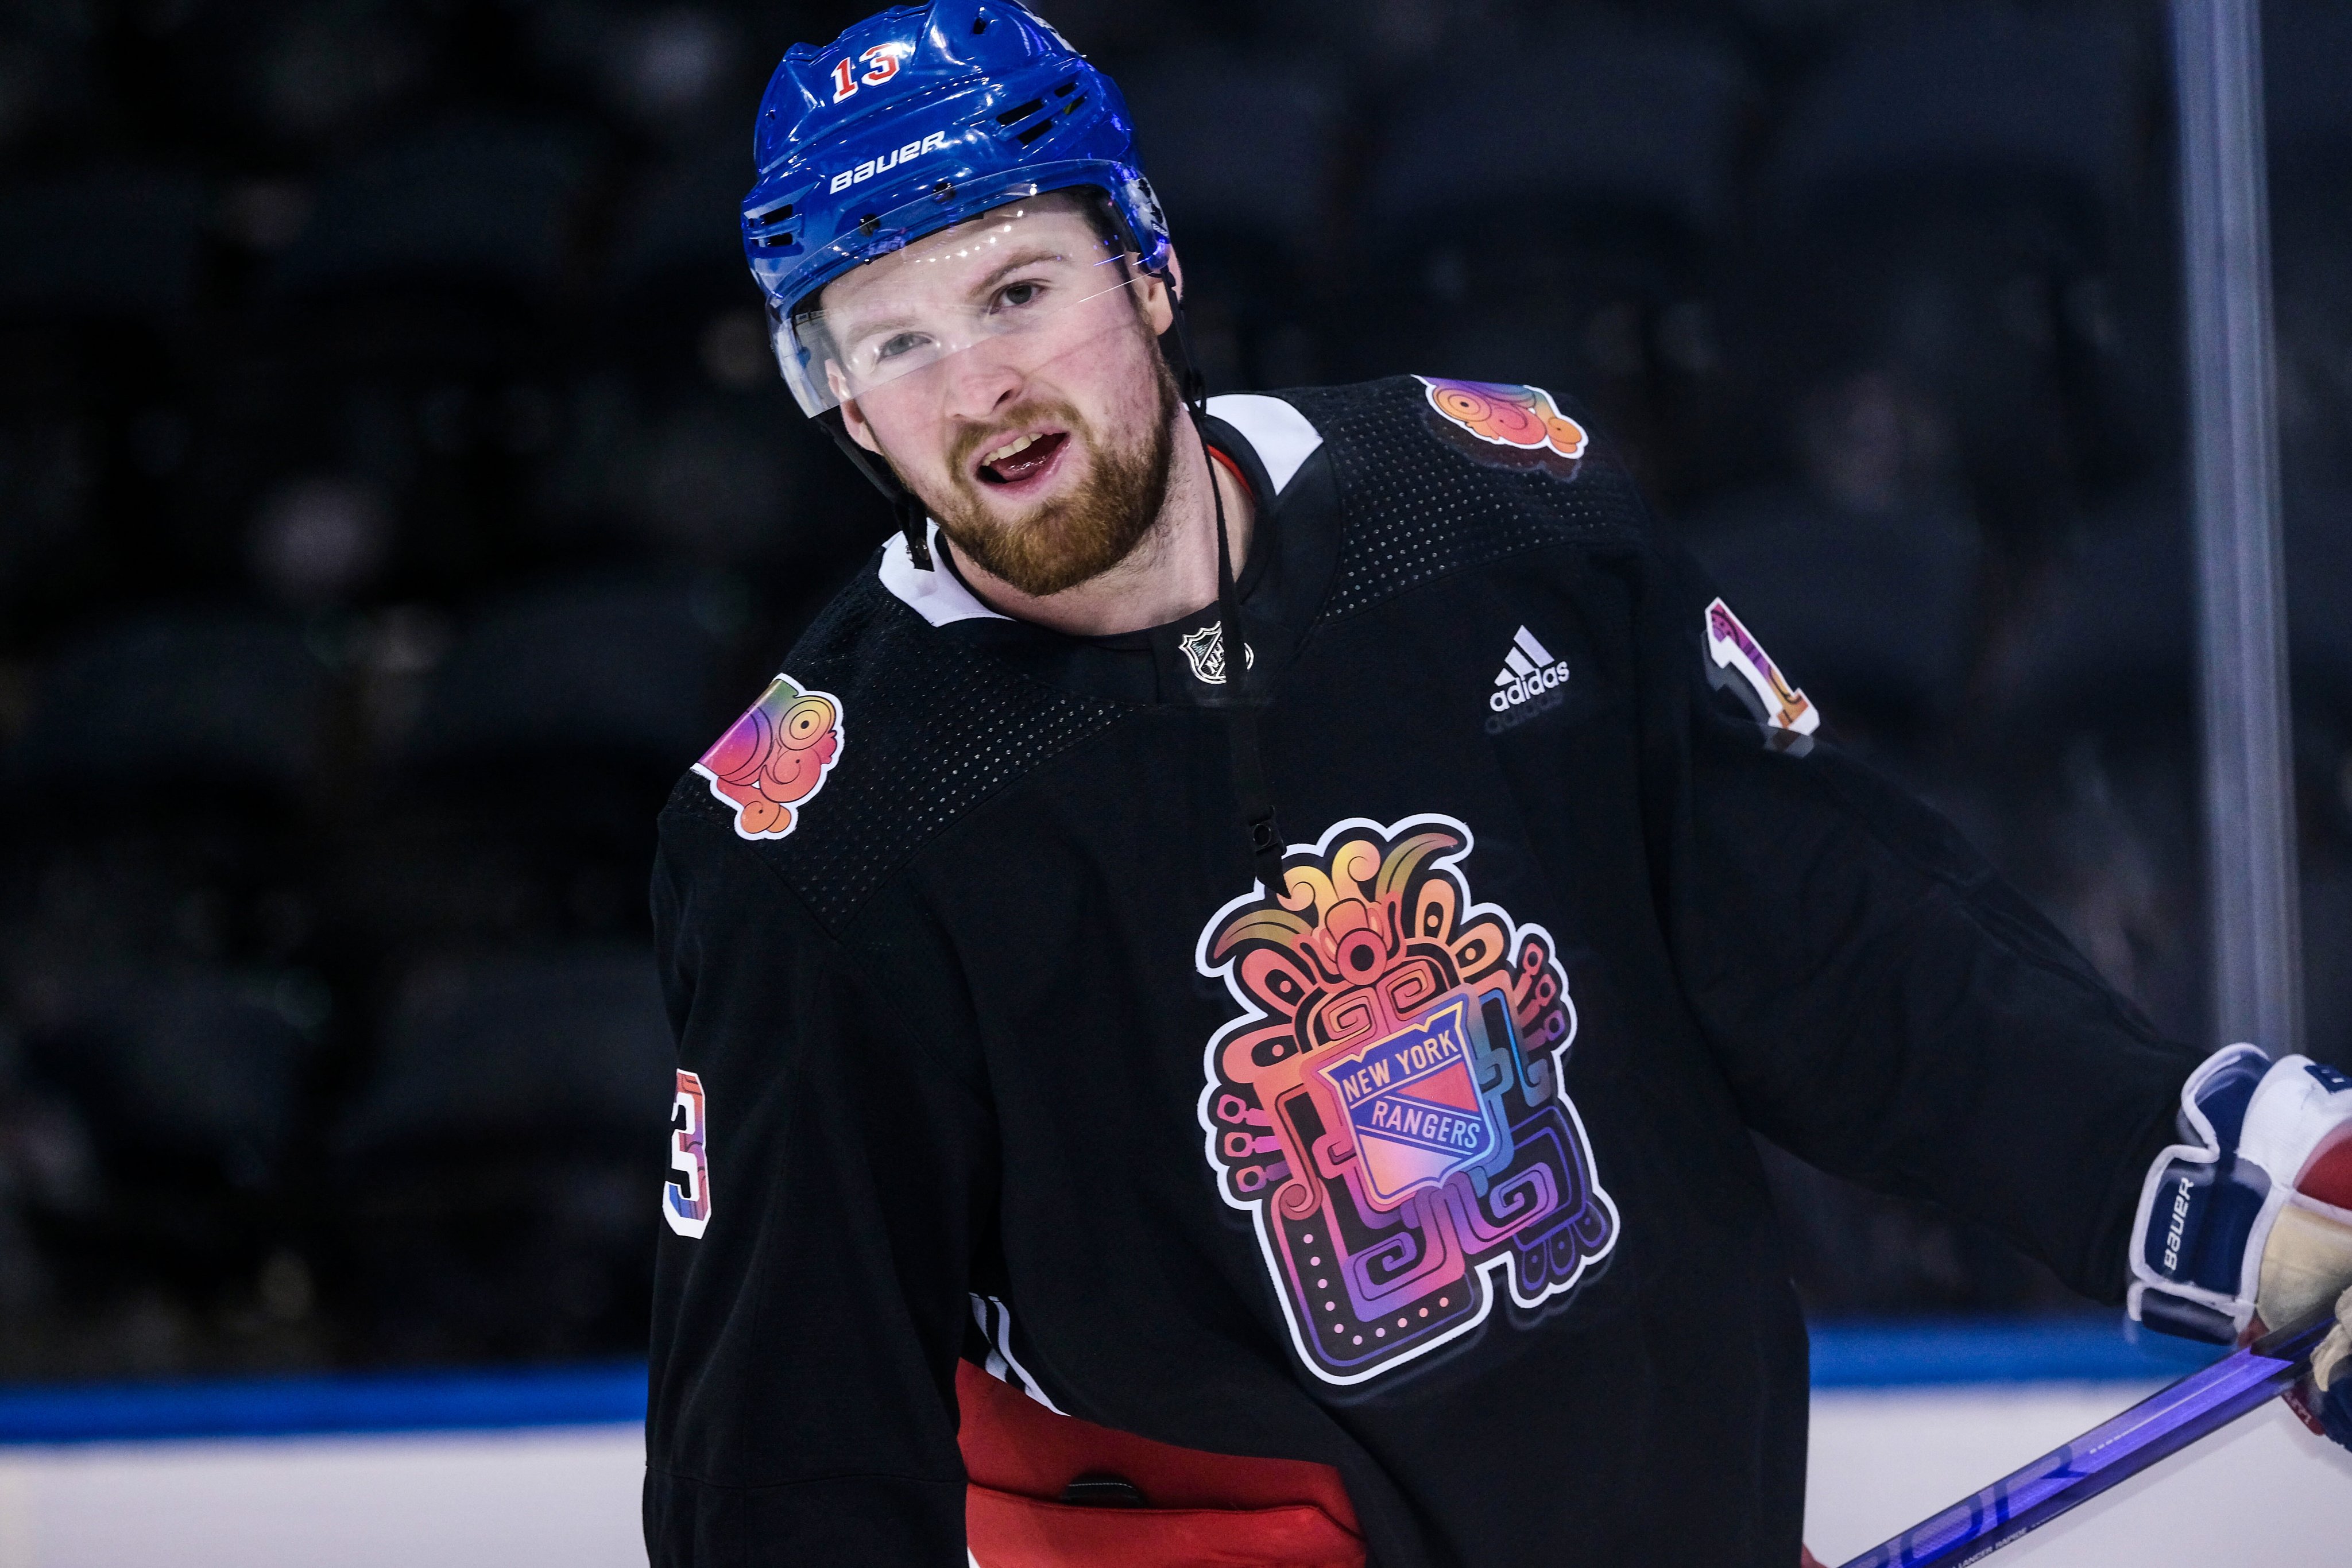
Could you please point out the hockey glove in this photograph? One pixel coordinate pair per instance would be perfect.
(2329, 1398)
(2247, 1223)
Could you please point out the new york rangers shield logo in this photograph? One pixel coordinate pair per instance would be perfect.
(1411, 1101)
(1389, 1106)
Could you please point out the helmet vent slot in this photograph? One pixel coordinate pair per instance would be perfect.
(1066, 88)
(1020, 111)
(1034, 131)
(773, 240)
(1072, 106)
(979, 26)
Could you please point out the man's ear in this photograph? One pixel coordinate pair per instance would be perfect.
(854, 421)
(1158, 308)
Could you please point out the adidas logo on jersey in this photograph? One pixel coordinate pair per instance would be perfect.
(1528, 671)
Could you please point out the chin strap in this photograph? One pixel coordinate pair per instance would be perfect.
(913, 522)
(915, 528)
(1245, 695)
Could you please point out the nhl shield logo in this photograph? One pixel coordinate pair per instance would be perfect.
(1411, 1103)
(1205, 650)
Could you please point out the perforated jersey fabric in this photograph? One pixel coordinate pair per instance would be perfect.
(931, 731)
(1418, 510)
(928, 737)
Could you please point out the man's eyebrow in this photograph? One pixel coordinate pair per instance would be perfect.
(1015, 262)
(988, 280)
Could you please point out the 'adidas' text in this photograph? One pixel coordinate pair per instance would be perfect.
(1528, 671)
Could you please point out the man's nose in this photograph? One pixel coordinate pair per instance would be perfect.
(983, 380)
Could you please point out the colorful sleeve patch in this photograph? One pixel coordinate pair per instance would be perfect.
(1731, 646)
(1512, 425)
(775, 758)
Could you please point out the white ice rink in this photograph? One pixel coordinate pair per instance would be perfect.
(2263, 1496)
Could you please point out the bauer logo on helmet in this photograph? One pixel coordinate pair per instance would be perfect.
(934, 142)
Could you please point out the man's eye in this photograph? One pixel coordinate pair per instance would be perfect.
(1017, 295)
(892, 347)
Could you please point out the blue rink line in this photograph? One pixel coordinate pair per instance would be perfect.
(1844, 1355)
(348, 1401)
(1919, 1353)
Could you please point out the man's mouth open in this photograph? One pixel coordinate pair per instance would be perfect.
(1022, 459)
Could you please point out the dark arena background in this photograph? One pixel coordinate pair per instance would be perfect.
(396, 492)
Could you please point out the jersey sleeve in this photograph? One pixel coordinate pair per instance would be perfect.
(1883, 1003)
(809, 1299)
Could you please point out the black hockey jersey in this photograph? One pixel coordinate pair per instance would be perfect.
(1431, 1163)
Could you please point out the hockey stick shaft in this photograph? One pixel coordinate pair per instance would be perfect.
(2114, 1452)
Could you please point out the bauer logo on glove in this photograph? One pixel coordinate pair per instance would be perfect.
(2247, 1223)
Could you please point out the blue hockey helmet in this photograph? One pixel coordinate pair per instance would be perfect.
(915, 119)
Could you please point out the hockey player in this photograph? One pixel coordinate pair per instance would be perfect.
(1238, 963)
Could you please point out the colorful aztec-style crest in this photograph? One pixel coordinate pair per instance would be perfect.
(774, 758)
(1513, 427)
(1388, 1108)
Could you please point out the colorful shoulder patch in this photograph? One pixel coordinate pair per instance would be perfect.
(774, 758)
(1731, 646)
(1510, 427)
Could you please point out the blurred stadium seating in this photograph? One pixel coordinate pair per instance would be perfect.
(1245, 149)
(1550, 209)
(395, 492)
(493, 1164)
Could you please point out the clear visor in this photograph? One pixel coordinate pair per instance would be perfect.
(1032, 277)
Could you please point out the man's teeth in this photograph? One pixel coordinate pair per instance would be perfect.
(1009, 449)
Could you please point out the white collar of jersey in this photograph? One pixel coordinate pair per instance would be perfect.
(938, 596)
(1276, 431)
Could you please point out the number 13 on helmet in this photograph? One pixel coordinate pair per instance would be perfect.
(881, 62)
